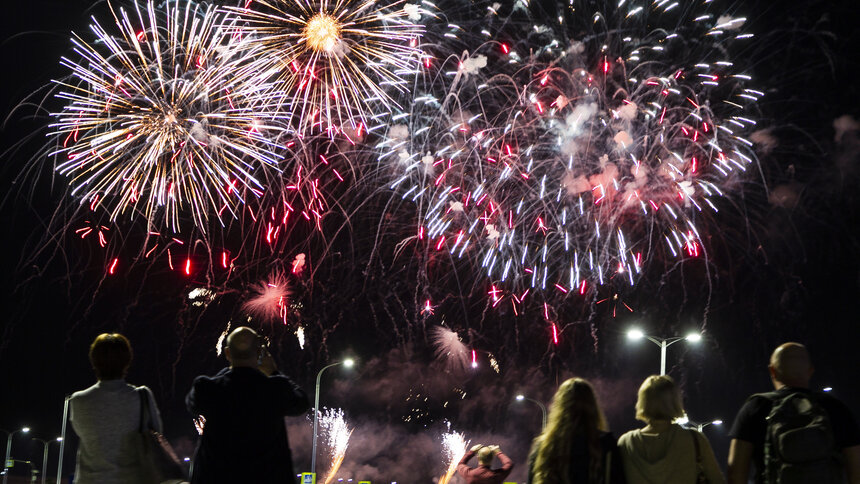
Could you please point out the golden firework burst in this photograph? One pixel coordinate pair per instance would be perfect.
(334, 63)
(322, 33)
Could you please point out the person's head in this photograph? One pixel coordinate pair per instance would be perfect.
(486, 454)
(790, 366)
(110, 355)
(574, 411)
(576, 403)
(659, 399)
(243, 347)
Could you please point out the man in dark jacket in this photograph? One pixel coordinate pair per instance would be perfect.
(242, 411)
(483, 474)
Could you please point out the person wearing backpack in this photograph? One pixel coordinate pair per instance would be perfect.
(793, 434)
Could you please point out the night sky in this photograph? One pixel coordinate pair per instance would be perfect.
(784, 264)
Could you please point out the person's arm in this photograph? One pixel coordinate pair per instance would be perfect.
(195, 401)
(852, 463)
(709, 461)
(463, 467)
(740, 458)
(294, 400)
(507, 465)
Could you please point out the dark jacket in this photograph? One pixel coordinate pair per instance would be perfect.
(244, 438)
(579, 460)
(483, 474)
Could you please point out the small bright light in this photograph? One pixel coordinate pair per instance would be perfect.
(717, 422)
(827, 389)
(25, 429)
(59, 439)
(186, 459)
(474, 364)
(683, 420)
(520, 397)
(349, 362)
(694, 337)
(635, 334)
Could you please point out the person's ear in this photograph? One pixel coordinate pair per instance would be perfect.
(228, 355)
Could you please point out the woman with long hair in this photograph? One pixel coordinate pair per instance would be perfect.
(663, 451)
(576, 446)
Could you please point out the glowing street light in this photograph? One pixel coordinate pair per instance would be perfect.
(522, 397)
(636, 334)
(9, 451)
(348, 363)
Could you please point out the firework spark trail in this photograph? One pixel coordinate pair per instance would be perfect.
(337, 435)
(334, 61)
(155, 121)
(578, 165)
(453, 449)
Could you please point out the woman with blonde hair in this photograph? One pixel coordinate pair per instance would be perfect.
(663, 451)
(576, 445)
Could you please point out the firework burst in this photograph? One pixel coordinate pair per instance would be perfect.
(337, 435)
(269, 299)
(453, 448)
(154, 122)
(578, 165)
(334, 61)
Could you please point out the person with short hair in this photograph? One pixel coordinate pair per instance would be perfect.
(791, 369)
(106, 417)
(242, 410)
(483, 474)
(576, 445)
(663, 451)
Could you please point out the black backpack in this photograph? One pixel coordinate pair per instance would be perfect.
(799, 446)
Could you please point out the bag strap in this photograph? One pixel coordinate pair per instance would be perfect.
(608, 465)
(698, 450)
(144, 407)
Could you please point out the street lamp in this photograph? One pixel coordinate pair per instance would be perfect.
(45, 444)
(9, 450)
(521, 397)
(349, 362)
(636, 334)
(700, 426)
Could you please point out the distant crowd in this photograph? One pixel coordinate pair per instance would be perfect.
(789, 435)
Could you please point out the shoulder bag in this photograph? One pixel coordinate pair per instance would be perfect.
(158, 460)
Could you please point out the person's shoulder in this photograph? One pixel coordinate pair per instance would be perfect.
(206, 380)
(83, 394)
(627, 437)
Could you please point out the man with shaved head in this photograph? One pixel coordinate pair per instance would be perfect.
(241, 412)
(793, 434)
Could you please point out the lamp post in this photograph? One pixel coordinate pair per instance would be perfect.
(347, 363)
(685, 421)
(45, 444)
(701, 426)
(663, 343)
(521, 397)
(9, 451)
